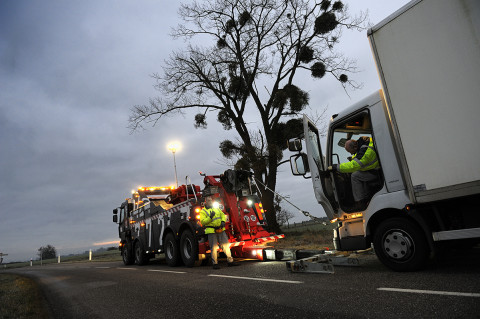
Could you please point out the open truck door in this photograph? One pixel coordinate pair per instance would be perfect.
(314, 163)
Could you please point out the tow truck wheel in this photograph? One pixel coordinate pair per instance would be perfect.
(127, 255)
(188, 248)
(140, 256)
(172, 253)
(400, 245)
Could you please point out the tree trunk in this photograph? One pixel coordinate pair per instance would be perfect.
(268, 198)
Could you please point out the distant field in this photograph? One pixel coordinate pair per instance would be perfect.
(308, 226)
(111, 255)
(315, 236)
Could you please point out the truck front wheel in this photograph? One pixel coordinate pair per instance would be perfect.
(172, 253)
(400, 245)
(127, 255)
(188, 248)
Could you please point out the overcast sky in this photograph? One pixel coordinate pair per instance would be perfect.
(69, 73)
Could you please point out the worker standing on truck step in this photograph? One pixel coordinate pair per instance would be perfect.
(213, 220)
(364, 167)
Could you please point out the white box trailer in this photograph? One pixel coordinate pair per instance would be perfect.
(428, 59)
(422, 126)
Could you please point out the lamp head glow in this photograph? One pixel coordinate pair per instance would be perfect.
(216, 205)
(249, 202)
(173, 147)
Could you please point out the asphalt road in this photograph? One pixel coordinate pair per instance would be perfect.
(447, 289)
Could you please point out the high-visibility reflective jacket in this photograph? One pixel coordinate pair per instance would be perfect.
(211, 224)
(365, 159)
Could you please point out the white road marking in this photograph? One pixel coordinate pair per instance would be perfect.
(102, 267)
(126, 268)
(433, 292)
(260, 279)
(170, 271)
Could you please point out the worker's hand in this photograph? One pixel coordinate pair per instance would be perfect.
(331, 168)
(222, 224)
(212, 214)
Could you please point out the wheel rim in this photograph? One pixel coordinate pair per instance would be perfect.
(398, 244)
(187, 248)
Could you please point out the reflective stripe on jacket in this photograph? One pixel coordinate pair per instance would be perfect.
(210, 224)
(365, 159)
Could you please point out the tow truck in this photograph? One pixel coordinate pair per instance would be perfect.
(166, 220)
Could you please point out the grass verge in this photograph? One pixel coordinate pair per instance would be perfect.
(20, 297)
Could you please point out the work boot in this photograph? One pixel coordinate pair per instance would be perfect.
(216, 266)
(233, 263)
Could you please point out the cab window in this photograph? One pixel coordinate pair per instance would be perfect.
(353, 128)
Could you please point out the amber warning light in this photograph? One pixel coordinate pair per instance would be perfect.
(197, 212)
(260, 211)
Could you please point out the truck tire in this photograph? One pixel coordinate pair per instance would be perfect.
(400, 245)
(127, 255)
(172, 253)
(140, 256)
(188, 248)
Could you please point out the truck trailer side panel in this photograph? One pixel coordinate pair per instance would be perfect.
(429, 62)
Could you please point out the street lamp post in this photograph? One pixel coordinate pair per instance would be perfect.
(173, 148)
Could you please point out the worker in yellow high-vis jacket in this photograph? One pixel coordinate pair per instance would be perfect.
(213, 220)
(364, 167)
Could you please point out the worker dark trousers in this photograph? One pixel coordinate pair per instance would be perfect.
(214, 240)
(359, 186)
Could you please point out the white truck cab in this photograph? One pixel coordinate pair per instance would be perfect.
(423, 123)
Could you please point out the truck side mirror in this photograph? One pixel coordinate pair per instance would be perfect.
(294, 145)
(299, 164)
(115, 217)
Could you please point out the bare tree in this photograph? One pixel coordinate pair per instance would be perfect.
(252, 53)
(283, 215)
